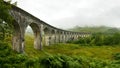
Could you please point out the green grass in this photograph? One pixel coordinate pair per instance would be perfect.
(99, 52)
(60, 56)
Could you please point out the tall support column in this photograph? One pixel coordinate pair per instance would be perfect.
(22, 47)
(47, 33)
(52, 36)
(56, 36)
(69, 36)
(59, 36)
(18, 43)
(38, 40)
(18, 38)
(52, 39)
(73, 36)
(76, 36)
(48, 38)
(41, 37)
(38, 34)
(66, 36)
(63, 37)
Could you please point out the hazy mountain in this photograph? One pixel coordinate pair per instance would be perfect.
(95, 29)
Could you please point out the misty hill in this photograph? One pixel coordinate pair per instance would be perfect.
(92, 29)
(96, 29)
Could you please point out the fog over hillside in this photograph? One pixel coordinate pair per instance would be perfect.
(87, 29)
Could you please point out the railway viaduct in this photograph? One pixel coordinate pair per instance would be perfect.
(43, 32)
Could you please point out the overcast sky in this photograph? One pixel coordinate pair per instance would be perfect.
(69, 13)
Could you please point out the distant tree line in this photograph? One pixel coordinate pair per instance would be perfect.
(101, 35)
(99, 39)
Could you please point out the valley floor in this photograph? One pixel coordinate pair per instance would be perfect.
(99, 52)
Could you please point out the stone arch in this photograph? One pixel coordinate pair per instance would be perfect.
(53, 37)
(46, 30)
(57, 36)
(37, 35)
(53, 31)
(47, 35)
(60, 36)
(63, 36)
(67, 36)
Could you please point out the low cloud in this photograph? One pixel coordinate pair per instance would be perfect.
(69, 13)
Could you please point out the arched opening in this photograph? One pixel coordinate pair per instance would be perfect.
(53, 37)
(57, 36)
(29, 39)
(60, 36)
(32, 37)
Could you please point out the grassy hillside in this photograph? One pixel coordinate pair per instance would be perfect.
(60, 56)
(96, 29)
(101, 52)
(75, 55)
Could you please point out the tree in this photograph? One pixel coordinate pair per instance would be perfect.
(5, 17)
(4, 12)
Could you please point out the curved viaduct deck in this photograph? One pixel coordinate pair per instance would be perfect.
(42, 31)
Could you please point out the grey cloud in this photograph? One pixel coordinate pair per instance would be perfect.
(109, 18)
(69, 13)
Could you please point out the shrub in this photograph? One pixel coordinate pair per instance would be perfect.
(116, 56)
(63, 61)
(99, 39)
